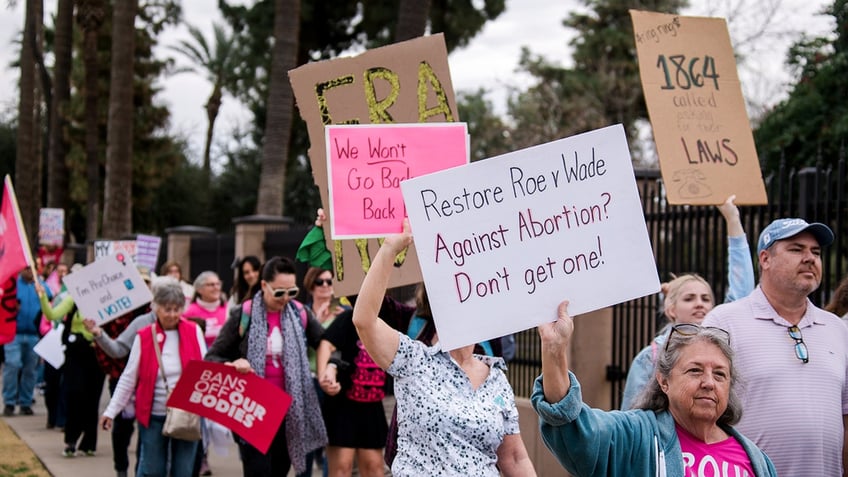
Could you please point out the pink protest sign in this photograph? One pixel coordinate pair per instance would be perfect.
(246, 404)
(367, 162)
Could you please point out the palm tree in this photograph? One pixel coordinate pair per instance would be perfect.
(412, 19)
(216, 61)
(117, 194)
(27, 160)
(90, 15)
(57, 169)
(278, 124)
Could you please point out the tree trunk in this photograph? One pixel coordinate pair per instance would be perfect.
(117, 197)
(278, 124)
(213, 106)
(90, 14)
(412, 19)
(57, 169)
(27, 180)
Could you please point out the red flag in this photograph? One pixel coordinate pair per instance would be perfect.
(8, 310)
(13, 248)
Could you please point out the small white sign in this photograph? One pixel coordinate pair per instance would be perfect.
(108, 288)
(50, 347)
(502, 241)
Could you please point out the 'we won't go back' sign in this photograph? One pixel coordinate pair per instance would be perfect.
(502, 241)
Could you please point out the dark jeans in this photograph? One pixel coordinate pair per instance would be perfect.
(84, 381)
(158, 452)
(122, 431)
(273, 464)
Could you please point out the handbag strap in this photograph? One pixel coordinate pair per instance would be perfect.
(159, 357)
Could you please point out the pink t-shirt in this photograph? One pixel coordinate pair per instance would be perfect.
(215, 319)
(274, 371)
(725, 458)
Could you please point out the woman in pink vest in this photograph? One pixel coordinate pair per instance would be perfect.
(180, 341)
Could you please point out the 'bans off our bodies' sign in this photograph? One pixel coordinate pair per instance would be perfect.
(502, 241)
(246, 404)
(366, 163)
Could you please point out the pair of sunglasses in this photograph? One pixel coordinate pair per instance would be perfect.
(283, 292)
(323, 281)
(800, 347)
(691, 329)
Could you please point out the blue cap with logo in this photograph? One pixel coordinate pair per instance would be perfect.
(784, 228)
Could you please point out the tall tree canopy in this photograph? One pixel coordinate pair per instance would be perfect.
(813, 120)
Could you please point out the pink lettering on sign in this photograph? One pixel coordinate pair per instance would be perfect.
(366, 164)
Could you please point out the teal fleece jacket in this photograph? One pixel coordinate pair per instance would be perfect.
(591, 442)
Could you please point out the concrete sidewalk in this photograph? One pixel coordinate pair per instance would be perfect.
(48, 444)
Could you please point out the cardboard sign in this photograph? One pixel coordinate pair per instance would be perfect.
(406, 82)
(503, 241)
(366, 163)
(51, 227)
(107, 288)
(107, 248)
(147, 250)
(704, 140)
(246, 404)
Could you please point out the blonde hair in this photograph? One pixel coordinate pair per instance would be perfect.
(674, 288)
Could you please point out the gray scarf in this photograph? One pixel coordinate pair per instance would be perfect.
(305, 430)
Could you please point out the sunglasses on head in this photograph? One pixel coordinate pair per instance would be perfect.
(284, 292)
(323, 281)
(691, 329)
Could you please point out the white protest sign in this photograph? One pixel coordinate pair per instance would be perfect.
(147, 250)
(502, 241)
(50, 347)
(105, 248)
(107, 288)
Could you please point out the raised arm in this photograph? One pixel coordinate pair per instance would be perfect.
(740, 266)
(379, 339)
(556, 340)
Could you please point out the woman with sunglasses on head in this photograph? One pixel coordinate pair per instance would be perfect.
(456, 411)
(681, 425)
(688, 299)
(266, 336)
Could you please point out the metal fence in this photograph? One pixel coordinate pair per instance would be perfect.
(693, 239)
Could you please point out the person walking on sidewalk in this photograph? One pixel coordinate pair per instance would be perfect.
(20, 356)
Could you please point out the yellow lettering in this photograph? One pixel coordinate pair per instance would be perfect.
(426, 76)
(378, 109)
(321, 91)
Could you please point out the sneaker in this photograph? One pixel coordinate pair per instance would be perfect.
(8, 410)
(26, 411)
(88, 453)
(69, 451)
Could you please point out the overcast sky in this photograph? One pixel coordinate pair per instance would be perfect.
(489, 61)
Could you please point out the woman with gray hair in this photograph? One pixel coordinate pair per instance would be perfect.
(681, 425)
(208, 307)
(149, 378)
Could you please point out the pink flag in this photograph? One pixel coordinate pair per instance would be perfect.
(13, 251)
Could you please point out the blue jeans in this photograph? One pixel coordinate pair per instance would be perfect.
(20, 358)
(156, 448)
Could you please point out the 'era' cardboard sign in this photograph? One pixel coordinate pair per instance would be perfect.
(246, 404)
(503, 241)
(367, 162)
(407, 82)
(108, 288)
(704, 141)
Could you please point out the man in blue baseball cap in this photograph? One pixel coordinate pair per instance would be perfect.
(791, 353)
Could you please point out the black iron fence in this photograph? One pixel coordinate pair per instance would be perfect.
(693, 239)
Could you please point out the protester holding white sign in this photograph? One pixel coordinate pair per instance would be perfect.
(457, 410)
